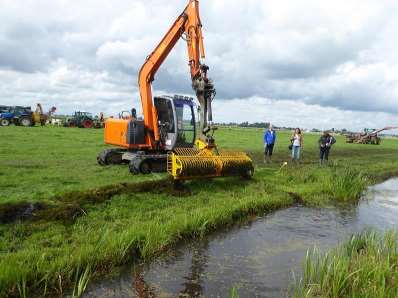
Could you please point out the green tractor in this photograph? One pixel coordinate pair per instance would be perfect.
(80, 119)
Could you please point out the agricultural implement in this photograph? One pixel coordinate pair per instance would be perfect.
(168, 138)
(39, 116)
(368, 137)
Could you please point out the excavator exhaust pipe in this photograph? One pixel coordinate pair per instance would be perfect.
(194, 163)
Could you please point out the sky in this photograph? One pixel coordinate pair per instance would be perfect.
(305, 63)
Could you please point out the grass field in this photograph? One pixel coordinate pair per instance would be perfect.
(89, 219)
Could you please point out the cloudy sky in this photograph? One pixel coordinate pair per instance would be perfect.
(298, 63)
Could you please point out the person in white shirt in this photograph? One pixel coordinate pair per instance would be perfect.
(297, 144)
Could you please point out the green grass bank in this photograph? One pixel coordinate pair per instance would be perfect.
(87, 219)
(365, 266)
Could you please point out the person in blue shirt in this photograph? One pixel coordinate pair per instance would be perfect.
(269, 142)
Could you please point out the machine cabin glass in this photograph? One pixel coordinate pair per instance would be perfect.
(185, 118)
(176, 120)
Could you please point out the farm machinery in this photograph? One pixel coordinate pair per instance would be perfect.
(166, 139)
(40, 117)
(85, 120)
(17, 115)
(24, 116)
(368, 136)
(6, 116)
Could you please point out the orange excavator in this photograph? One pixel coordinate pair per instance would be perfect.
(166, 139)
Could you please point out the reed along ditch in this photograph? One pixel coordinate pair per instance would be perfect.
(258, 258)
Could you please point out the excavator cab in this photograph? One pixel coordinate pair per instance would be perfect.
(176, 119)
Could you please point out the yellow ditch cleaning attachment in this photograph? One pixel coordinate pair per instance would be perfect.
(207, 162)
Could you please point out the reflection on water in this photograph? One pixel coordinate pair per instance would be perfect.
(256, 258)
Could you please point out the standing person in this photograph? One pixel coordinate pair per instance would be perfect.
(297, 144)
(269, 142)
(325, 143)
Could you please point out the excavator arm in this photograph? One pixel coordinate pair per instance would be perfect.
(188, 24)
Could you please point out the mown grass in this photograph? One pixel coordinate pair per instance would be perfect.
(98, 218)
(365, 266)
(41, 162)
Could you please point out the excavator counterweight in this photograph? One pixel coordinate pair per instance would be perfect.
(167, 138)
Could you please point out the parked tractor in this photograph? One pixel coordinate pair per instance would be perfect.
(80, 119)
(16, 115)
(6, 116)
(85, 120)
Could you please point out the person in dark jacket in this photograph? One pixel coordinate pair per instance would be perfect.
(325, 143)
(269, 142)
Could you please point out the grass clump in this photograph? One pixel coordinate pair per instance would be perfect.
(365, 266)
(321, 185)
(345, 184)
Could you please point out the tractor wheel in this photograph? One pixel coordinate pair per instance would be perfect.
(88, 123)
(26, 122)
(5, 122)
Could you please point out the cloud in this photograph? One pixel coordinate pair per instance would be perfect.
(323, 57)
(291, 113)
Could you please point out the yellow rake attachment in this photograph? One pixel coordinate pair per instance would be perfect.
(208, 162)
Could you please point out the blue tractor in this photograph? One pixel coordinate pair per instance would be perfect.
(17, 115)
(6, 116)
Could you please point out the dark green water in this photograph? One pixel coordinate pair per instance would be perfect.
(257, 258)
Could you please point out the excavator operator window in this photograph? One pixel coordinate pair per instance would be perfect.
(185, 123)
(165, 114)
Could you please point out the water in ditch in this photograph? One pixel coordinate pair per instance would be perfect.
(258, 258)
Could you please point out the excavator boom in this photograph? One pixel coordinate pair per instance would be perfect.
(188, 24)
